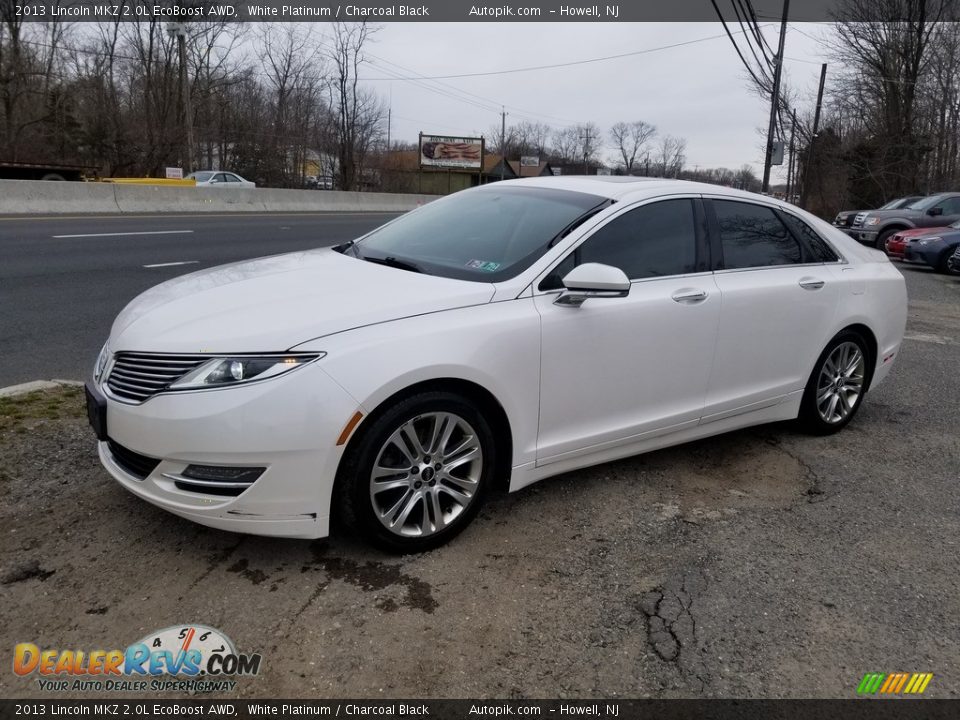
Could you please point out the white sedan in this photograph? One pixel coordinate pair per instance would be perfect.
(492, 338)
(219, 178)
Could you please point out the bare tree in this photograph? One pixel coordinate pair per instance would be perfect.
(670, 156)
(359, 113)
(630, 139)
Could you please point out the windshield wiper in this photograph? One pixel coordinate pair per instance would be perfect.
(393, 262)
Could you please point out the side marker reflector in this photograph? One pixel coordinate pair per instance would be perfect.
(357, 416)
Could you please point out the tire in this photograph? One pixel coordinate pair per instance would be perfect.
(943, 261)
(434, 491)
(835, 389)
(881, 243)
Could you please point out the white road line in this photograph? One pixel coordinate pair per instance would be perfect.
(182, 262)
(119, 234)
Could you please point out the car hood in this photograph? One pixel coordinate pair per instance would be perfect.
(274, 303)
(902, 213)
(922, 232)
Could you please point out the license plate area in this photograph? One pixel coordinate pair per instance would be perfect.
(96, 412)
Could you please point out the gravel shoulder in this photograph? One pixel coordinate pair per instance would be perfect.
(762, 563)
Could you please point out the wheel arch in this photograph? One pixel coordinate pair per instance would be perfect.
(491, 407)
(871, 343)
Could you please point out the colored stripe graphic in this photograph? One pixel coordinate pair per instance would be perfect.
(894, 683)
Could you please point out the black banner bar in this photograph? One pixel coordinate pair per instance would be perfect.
(856, 709)
(382, 11)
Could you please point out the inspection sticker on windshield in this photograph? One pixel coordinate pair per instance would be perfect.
(483, 265)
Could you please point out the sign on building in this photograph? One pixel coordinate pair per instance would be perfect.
(529, 161)
(174, 173)
(451, 152)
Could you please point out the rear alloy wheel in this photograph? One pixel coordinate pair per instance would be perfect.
(836, 386)
(421, 472)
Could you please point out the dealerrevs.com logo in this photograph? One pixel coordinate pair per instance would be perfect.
(182, 657)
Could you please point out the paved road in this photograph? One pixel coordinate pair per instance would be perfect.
(63, 280)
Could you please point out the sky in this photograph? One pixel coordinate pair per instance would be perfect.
(697, 91)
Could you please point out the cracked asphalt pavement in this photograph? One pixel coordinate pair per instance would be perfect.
(762, 563)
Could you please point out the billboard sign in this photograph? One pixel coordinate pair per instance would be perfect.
(451, 152)
(529, 161)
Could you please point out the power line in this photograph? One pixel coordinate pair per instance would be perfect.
(735, 46)
(563, 65)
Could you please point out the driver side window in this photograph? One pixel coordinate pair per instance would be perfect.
(655, 240)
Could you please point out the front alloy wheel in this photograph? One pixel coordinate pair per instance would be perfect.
(418, 473)
(426, 474)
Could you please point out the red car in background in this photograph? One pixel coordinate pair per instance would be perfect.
(897, 243)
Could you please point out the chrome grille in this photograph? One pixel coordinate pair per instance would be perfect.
(858, 220)
(139, 376)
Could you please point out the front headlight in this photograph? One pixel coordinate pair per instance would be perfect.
(928, 240)
(871, 221)
(226, 371)
(101, 363)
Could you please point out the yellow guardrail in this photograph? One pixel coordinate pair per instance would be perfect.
(151, 181)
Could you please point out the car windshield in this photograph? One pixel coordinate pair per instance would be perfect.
(899, 203)
(201, 176)
(925, 203)
(487, 235)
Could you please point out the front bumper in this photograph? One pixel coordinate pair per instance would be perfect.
(289, 425)
(867, 237)
(923, 254)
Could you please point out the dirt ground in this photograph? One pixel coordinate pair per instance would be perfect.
(762, 563)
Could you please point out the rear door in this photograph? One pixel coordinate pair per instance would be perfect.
(778, 305)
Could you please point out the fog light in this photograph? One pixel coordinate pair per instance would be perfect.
(216, 473)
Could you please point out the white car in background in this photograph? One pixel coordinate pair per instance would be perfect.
(219, 178)
(495, 337)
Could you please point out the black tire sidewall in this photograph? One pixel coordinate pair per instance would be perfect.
(809, 415)
(883, 237)
(362, 455)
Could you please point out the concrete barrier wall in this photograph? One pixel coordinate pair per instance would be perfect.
(30, 197)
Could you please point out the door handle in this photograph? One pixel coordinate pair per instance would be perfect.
(689, 296)
(811, 283)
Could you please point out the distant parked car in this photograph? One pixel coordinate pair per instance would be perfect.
(875, 227)
(897, 243)
(953, 264)
(844, 219)
(933, 247)
(220, 178)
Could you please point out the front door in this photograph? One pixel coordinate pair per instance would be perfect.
(617, 369)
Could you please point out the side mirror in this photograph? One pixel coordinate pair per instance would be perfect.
(935, 211)
(593, 280)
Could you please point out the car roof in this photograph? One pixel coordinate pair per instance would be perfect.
(617, 187)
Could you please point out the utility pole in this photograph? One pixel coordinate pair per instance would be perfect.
(503, 140)
(791, 177)
(179, 31)
(775, 97)
(586, 148)
(389, 112)
(805, 188)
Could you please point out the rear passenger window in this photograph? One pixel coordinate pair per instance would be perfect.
(753, 236)
(818, 248)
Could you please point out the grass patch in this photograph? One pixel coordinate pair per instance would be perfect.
(21, 412)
